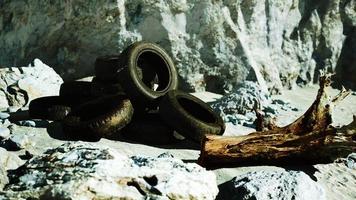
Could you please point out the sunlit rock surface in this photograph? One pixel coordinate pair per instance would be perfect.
(276, 184)
(86, 171)
(20, 85)
(215, 44)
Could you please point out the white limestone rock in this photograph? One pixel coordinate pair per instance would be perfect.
(8, 161)
(215, 44)
(85, 171)
(4, 133)
(21, 85)
(238, 106)
(273, 185)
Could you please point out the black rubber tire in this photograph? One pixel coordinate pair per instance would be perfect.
(190, 116)
(106, 67)
(95, 88)
(100, 117)
(142, 64)
(149, 129)
(52, 107)
(75, 89)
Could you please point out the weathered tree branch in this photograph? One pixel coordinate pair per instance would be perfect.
(308, 140)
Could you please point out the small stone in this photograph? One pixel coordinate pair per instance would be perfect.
(165, 155)
(28, 123)
(12, 109)
(295, 109)
(351, 161)
(279, 101)
(4, 115)
(17, 142)
(4, 133)
(6, 122)
(178, 136)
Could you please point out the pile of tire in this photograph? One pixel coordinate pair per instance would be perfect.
(134, 93)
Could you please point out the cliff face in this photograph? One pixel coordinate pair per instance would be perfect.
(215, 44)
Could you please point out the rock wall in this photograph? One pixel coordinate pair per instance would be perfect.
(215, 44)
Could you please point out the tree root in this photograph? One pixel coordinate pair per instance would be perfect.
(308, 140)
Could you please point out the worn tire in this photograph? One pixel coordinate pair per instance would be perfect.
(52, 107)
(72, 89)
(95, 88)
(143, 64)
(100, 117)
(106, 67)
(190, 116)
(149, 129)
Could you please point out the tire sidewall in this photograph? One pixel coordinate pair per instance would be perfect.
(138, 89)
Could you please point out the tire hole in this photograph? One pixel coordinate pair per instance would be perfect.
(152, 69)
(196, 110)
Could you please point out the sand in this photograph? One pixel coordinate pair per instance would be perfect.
(338, 181)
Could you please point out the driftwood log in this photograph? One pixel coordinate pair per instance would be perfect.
(308, 140)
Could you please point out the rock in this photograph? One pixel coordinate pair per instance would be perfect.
(16, 142)
(5, 122)
(24, 84)
(215, 45)
(237, 107)
(9, 160)
(351, 161)
(4, 133)
(12, 109)
(4, 115)
(100, 172)
(277, 184)
(3, 179)
(29, 123)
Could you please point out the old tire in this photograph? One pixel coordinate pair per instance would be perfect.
(72, 89)
(190, 116)
(149, 129)
(106, 67)
(143, 64)
(52, 107)
(100, 117)
(95, 88)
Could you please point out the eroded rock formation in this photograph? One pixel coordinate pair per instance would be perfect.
(215, 44)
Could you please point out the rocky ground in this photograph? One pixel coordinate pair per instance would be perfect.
(37, 160)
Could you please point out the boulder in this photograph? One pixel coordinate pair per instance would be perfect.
(238, 107)
(80, 170)
(274, 184)
(215, 44)
(20, 85)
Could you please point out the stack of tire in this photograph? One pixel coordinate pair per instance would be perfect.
(134, 93)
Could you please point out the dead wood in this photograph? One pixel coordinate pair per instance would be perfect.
(308, 140)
